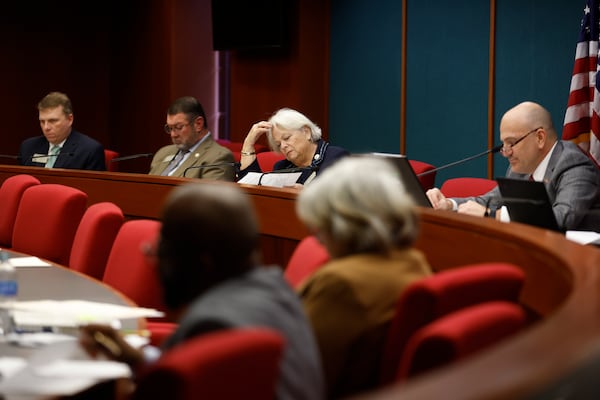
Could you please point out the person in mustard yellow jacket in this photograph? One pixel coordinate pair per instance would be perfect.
(360, 211)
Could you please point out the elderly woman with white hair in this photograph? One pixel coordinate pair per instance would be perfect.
(292, 134)
(362, 214)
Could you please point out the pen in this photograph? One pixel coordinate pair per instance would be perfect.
(107, 343)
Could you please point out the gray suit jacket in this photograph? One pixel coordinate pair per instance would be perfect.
(573, 185)
(208, 152)
(261, 298)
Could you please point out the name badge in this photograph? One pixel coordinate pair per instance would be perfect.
(169, 158)
(39, 158)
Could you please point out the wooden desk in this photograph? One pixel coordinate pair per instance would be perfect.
(562, 281)
(59, 283)
(142, 196)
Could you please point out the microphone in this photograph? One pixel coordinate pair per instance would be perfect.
(131, 157)
(492, 150)
(10, 156)
(223, 164)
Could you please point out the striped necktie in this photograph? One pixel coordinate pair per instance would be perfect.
(174, 162)
(52, 156)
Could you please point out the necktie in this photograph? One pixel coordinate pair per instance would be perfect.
(52, 156)
(174, 162)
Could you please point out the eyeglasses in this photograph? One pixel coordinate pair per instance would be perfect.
(508, 147)
(177, 127)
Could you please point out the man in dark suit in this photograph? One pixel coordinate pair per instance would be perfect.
(534, 152)
(60, 146)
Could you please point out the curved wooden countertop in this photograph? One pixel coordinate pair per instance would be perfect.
(562, 281)
(562, 285)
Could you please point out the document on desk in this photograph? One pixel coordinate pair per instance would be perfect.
(584, 237)
(287, 179)
(28, 262)
(73, 313)
(59, 369)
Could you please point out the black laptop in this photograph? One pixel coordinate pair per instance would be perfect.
(527, 202)
(412, 184)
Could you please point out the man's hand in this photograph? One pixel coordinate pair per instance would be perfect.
(471, 208)
(438, 200)
(102, 339)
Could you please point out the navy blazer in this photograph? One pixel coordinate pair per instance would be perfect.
(78, 152)
(324, 156)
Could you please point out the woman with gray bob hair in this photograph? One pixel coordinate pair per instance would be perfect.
(362, 203)
(366, 220)
(299, 139)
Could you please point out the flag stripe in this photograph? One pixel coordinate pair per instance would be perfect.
(582, 117)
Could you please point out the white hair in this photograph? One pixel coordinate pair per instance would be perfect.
(289, 119)
(360, 202)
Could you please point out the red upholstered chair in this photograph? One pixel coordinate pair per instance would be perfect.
(47, 219)
(160, 331)
(129, 269)
(109, 155)
(427, 181)
(236, 147)
(458, 335)
(308, 256)
(267, 160)
(467, 186)
(94, 238)
(11, 192)
(226, 365)
(428, 299)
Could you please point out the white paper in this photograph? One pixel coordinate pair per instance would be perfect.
(73, 313)
(583, 237)
(271, 179)
(58, 369)
(28, 262)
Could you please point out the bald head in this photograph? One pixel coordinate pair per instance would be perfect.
(209, 234)
(530, 115)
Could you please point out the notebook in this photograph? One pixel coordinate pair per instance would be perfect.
(412, 184)
(527, 202)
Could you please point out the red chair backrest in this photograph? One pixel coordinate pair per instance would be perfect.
(427, 181)
(11, 191)
(467, 186)
(130, 270)
(109, 155)
(94, 238)
(430, 298)
(226, 365)
(308, 256)
(458, 335)
(47, 220)
(267, 160)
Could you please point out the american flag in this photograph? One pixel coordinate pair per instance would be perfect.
(582, 119)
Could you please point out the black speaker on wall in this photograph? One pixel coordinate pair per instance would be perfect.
(251, 24)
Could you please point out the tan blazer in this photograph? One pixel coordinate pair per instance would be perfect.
(208, 152)
(350, 302)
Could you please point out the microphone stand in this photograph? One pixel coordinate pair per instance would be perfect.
(492, 150)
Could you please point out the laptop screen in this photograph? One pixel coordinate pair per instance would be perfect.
(412, 184)
(527, 202)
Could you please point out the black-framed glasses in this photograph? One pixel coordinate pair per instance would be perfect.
(508, 147)
(177, 127)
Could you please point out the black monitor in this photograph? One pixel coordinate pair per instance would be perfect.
(412, 184)
(527, 202)
(251, 24)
